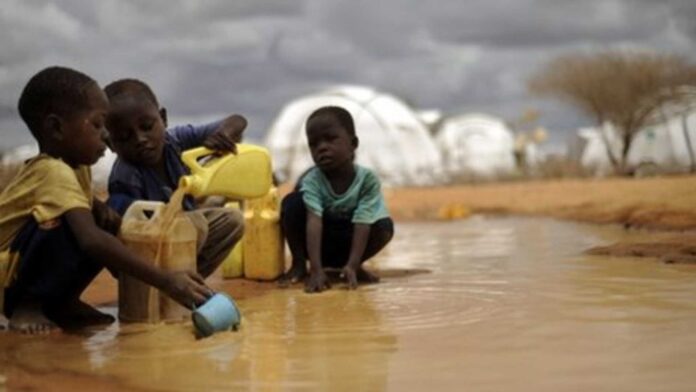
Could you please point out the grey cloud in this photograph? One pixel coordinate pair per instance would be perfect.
(211, 57)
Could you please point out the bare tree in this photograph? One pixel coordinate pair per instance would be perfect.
(623, 88)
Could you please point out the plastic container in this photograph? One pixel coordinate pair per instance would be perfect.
(219, 313)
(171, 248)
(233, 265)
(246, 174)
(263, 250)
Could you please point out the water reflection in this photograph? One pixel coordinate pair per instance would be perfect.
(329, 341)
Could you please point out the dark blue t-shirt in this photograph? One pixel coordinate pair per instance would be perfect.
(128, 183)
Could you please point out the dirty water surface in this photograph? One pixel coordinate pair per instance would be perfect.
(486, 304)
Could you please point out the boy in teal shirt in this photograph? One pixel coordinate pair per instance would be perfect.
(338, 218)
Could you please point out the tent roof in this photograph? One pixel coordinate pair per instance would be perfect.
(393, 140)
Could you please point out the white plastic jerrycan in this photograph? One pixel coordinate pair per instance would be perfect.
(171, 248)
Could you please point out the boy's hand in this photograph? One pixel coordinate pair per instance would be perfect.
(317, 282)
(105, 217)
(348, 272)
(187, 288)
(226, 137)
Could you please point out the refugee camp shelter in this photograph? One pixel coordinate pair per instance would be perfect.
(592, 148)
(668, 146)
(476, 146)
(393, 140)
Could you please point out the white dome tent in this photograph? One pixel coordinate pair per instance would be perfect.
(666, 147)
(393, 141)
(476, 145)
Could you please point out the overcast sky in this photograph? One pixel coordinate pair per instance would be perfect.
(206, 58)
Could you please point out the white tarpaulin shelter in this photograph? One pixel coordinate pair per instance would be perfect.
(669, 145)
(476, 145)
(393, 141)
(593, 148)
(665, 147)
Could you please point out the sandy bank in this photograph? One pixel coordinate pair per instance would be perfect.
(667, 203)
(662, 204)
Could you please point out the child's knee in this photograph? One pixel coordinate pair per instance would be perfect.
(234, 223)
(292, 208)
(382, 232)
(385, 228)
(292, 202)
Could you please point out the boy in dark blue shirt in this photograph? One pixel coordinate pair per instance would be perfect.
(149, 163)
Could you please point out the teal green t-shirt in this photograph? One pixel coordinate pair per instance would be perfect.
(361, 203)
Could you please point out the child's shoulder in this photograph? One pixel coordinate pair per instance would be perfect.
(124, 171)
(366, 173)
(311, 176)
(45, 166)
(44, 172)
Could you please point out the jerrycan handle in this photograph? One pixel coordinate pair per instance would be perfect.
(138, 208)
(190, 158)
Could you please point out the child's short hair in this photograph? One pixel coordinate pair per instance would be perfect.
(53, 90)
(342, 115)
(130, 86)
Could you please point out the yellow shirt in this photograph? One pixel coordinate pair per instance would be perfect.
(44, 188)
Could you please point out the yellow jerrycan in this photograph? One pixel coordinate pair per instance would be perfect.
(246, 174)
(233, 265)
(170, 246)
(263, 249)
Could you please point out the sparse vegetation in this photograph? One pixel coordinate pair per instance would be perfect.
(623, 88)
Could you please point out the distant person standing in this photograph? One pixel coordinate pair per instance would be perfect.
(338, 217)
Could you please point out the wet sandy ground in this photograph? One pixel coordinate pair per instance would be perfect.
(484, 304)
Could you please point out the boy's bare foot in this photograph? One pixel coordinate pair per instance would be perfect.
(366, 276)
(29, 319)
(77, 314)
(294, 275)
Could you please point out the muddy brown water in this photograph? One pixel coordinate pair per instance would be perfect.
(485, 304)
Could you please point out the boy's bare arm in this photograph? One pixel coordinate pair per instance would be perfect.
(361, 232)
(318, 280)
(228, 134)
(105, 217)
(187, 288)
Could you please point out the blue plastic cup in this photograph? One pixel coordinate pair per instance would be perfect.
(219, 313)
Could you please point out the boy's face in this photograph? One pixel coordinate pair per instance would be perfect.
(83, 137)
(136, 130)
(330, 144)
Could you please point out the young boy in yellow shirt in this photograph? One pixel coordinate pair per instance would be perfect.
(54, 235)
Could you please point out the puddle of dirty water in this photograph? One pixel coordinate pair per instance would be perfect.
(483, 304)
